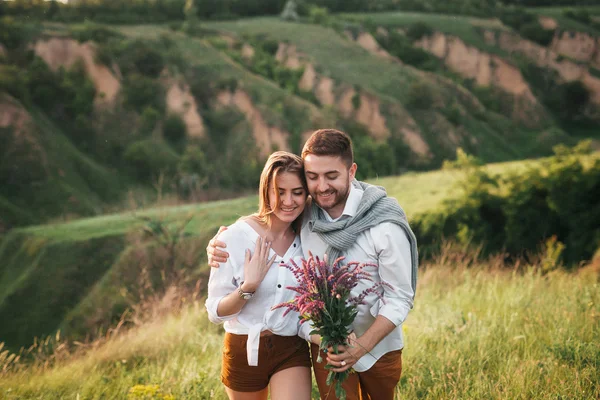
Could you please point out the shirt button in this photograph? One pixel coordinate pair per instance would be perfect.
(294, 244)
(281, 262)
(279, 285)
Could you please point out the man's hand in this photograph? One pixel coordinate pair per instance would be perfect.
(216, 256)
(347, 355)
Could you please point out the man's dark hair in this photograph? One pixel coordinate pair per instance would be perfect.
(330, 142)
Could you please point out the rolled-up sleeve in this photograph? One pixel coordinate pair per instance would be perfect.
(221, 282)
(305, 330)
(395, 268)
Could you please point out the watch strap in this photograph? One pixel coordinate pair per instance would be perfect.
(242, 294)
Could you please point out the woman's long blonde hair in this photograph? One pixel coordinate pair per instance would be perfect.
(278, 162)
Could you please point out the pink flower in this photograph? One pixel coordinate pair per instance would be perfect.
(324, 298)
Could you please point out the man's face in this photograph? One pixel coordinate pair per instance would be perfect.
(328, 180)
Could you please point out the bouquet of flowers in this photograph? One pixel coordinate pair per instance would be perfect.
(324, 298)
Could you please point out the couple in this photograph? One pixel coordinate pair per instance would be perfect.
(262, 348)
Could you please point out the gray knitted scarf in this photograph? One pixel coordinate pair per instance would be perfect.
(375, 208)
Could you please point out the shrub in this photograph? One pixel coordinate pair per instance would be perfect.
(537, 33)
(420, 95)
(93, 32)
(174, 129)
(527, 25)
(20, 163)
(139, 57)
(233, 148)
(517, 213)
(175, 26)
(270, 46)
(141, 92)
(516, 17)
(13, 81)
(229, 84)
(569, 100)
(453, 114)
(318, 15)
(580, 14)
(149, 118)
(400, 46)
(201, 87)
(417, 30)
(566, 100)
(66, 96)
(148, 158)
(14, 34)
(374, 158)
(194, 161)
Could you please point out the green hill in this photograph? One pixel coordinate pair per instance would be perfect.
(167, 103)
(97, 116)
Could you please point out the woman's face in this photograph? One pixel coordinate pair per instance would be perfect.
(292, 197)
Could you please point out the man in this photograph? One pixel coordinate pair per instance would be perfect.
(359, 222)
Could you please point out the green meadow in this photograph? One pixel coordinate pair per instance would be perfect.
(479, 329)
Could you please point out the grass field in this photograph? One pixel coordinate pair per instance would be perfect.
(418, 193)
(466, 28)
(334, 56)
(485, 331)
(568, 23)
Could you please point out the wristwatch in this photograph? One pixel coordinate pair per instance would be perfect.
(242, 294)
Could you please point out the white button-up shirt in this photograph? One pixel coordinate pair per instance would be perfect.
(256, 315)
(387, 246)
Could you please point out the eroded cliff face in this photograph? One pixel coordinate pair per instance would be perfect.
(344, 97)
(23, 140)
(548, 58)
(548, 22)
(579, 46)
(247, 52)
(65, 52)
(180, 101)
(368, 42)
(13, 114)
(486, 70)
(288, 56)
(267, 137)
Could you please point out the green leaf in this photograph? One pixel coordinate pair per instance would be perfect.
(329, 376)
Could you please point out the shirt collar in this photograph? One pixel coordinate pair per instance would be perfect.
(352, 203)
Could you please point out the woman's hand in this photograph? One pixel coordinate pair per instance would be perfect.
(257, 265)
(315, 339)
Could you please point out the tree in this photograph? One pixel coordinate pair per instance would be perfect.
(290, 12)
(174, 129)
(191, 16)
(53, 9)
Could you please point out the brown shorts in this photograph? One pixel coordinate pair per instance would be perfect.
(275, 353)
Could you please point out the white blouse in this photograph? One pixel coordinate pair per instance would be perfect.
(256, 315)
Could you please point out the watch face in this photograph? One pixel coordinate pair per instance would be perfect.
(247, 296)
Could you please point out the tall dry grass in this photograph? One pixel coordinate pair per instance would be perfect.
(481, 328)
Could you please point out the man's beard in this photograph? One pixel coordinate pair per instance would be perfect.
(338, 198)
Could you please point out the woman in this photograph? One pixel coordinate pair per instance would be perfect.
(262, 349)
